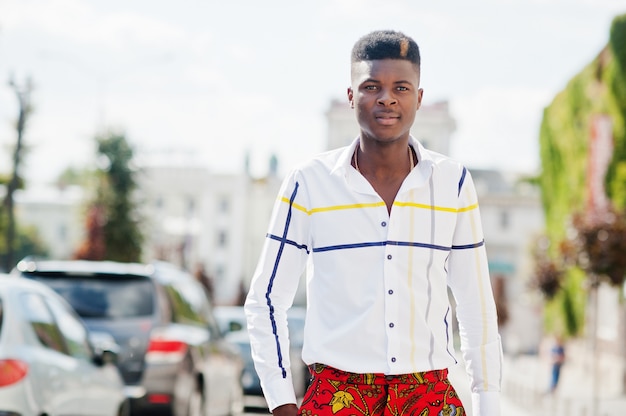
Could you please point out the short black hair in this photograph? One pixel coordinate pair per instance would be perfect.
(386, 44)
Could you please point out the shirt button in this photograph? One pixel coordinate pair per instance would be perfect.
(393, 359)
(389, 256)
(383, 224)
(391, 325)
(390, 292)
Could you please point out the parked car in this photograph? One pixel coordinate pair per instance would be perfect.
(173, 357)
(48, 364)
(232, 322)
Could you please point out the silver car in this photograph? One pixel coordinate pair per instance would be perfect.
(173, 358)
(232, 322)
(48, 365)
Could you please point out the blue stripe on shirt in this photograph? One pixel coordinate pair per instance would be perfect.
(290, 242)
(462, 180)
(380, 244)
(283, 241)
(466, 246)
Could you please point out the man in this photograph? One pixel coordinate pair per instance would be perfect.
(388, 226)
(557, 355)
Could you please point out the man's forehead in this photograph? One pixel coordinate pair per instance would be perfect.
(374, 66)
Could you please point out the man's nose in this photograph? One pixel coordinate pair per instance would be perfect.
(386, 98)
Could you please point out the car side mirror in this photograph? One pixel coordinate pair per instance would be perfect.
(104, 347)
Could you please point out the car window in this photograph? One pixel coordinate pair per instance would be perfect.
(74, 332)
(41, 320)
(185, 306)
(105, 297)
(1, 317)
(190, 305)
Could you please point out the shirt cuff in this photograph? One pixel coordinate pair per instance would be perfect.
(279, 392)
(486, 403)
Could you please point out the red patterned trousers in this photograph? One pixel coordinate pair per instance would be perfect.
(336, 392)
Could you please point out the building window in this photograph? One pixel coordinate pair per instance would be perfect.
(224, 204)
(220, 273)
(62, 232)
(222, 238)
(191, 206)
(504, 220)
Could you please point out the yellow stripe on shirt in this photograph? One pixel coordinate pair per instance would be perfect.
(376, 205)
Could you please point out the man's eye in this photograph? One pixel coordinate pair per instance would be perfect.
(370, 87)
(403, 89)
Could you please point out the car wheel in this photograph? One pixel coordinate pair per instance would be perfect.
(196, 405)
(124, 409)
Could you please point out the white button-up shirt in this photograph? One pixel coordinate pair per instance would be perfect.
(377, 283)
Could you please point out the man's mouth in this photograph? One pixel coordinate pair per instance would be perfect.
(387, 119)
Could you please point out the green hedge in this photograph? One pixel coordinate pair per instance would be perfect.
(600, 88)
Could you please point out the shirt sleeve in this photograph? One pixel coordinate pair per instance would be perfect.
(468, 274)
(272, 290)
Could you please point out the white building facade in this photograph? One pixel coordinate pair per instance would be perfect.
(57, 215)
(195, 218)
(512, 218)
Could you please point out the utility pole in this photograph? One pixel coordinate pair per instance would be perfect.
(23, 98)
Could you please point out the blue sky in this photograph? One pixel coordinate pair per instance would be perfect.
(204, 82)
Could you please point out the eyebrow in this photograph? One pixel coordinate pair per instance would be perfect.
(402, 81)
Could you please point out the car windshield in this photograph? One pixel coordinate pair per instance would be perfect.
(102, 297)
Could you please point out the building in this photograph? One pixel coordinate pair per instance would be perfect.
(195, 219)
(512, 219)
(56, 213)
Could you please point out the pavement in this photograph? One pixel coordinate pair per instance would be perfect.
(459, 380)
(579, 393)
(525, 381)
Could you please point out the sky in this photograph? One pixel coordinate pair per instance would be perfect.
(202, 82)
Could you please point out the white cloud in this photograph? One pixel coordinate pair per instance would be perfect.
(78, 21)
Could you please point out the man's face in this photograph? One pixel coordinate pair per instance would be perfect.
(385, 94)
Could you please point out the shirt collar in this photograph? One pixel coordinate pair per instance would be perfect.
(424, 158)
(344, 161)
(424, 168)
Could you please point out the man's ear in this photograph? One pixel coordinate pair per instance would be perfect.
(350, 97)
(420, 93)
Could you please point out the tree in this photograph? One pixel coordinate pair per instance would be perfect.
(601, 245)
(598, 89)
(112, 220)
(23, 98)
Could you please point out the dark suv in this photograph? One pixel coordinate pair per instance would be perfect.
(173, 358)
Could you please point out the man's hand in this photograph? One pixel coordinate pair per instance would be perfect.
(286, 410)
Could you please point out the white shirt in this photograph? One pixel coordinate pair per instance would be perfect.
(377, 291)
